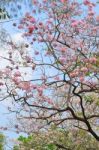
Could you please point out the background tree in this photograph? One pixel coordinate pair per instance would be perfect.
(2, 141)
(58, 139)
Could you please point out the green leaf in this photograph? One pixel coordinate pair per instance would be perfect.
(51, 147)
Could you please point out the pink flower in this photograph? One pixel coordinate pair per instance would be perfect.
(25, 86)
(73, 74)
(62, 59)
(86, 2)
(20, 27)
(33, 67)
(32, 20)
(63, 50)
(40, 23)
(44, 78)
(36, 53)
(81, 79)
(49, 101)
(63, 1)
(16, 80)
(33, 86)
(48, 53)
(17, 74)
(92, 60)
(28, 59)
(90, 13)
(57, 78)
(1, 84)
(74, 23)
(7, 71)
(44, 1)
(31, 29)
(35, 2)
(85, 60)
(84, 69)
(97, 18)
(40, 90)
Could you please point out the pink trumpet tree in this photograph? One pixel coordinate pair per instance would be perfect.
(63, 63)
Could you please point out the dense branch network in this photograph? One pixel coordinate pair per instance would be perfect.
(62, 64)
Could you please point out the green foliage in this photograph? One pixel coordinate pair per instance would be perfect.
(88, 99)
(51, 147)
(2, 140)
(24, 139)
(3, 14)
(56, 139)
(16, 148)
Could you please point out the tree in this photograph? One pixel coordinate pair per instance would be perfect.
(2, 140)
(63, 64)
(58, 139)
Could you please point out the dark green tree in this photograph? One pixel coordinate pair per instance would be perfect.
(2, 141)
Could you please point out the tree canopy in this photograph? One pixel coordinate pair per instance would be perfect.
(53, 77)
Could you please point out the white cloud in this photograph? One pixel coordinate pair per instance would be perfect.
(17, 38)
